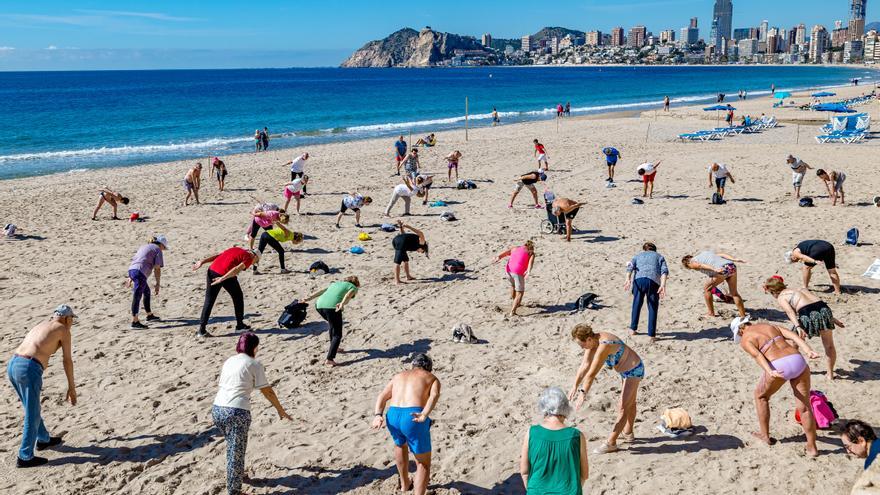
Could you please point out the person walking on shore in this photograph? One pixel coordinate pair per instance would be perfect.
(719, 268)
(541, 155)
(223, 274)
(522, 258)
(407, 242)
(331, 301)
(568, 109)
(112, 199)
(297, 168)
(646, 274)
(808, 314)
(666, 103)
(608, 349)
(231, 411)
(834, 184)
(25, 372)
(812, 252)
(258, 141)
(798, 170)
(412, 395)
(264, 136)
(147, 260)
(495, 119)
(770, 347)
(399, 152)
(553, 458)
(192, 182)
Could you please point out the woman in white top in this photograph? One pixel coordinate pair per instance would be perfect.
(241, 374)
(405, 191)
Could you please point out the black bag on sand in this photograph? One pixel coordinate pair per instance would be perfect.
(294, 314)
(717, 199)
(587, 301)
(453, 266)
(805, 202)
(319, 268)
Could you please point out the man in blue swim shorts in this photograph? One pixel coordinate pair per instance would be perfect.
(412, 395)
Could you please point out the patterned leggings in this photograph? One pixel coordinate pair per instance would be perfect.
(234, 423)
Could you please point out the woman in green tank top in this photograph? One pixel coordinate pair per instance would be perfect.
(554, 456)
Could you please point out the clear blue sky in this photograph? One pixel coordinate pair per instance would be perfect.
(71, 34)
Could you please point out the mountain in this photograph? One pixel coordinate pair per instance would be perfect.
(873, 25)
(558, 32)
(411, 48)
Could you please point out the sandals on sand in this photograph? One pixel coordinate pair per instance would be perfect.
(606, 449)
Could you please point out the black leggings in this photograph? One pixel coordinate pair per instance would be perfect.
(274, 244)
(233, 288)
(334, 318)
(294, 175)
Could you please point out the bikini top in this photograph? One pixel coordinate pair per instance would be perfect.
(614, 359)
(770, 342)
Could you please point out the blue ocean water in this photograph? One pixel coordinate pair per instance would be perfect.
(65, 121)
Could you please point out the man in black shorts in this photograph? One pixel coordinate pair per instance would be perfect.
(528, 181)
(407, 242)
(812, 252)
(567, 208)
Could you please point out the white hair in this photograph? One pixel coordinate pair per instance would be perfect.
(553, 402)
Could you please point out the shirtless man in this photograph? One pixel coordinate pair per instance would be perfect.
(111, 198)
(192, 182)
(569, 208)
(25, 371)
(413, 395)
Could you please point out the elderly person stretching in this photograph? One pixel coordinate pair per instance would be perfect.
(241, 374)
(147, 260)
(518, 268)
(719, 268)
(781, 362)
(646, 274)
(554, 456)
(25, 372)
(809, 315)
(567, 208)
(811, 253)
(413, 394)
(606, 348)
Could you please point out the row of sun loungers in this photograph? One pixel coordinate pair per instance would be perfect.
(846, 129)
(721, 132)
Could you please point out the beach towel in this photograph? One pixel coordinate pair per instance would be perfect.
(387, 227)
(873, 271)
(437, 204)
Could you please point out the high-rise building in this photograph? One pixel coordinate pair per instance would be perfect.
(667, 36)
(527, 43)
(637, 36)
(800, 37)
(747, 48)
(554, 45)
(857, 19)
(790, 39)
(852, 51)
(818, 40)
(871, 47)
(689, 36)
(594, 38)
(762, 31)
(693, 23)
(722, 22)
(740, 34)
(487, 40)
(839, 36)
(772, 41)
(617, 38)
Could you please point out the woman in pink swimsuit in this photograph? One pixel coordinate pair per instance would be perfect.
(782, 362)
(518, 268)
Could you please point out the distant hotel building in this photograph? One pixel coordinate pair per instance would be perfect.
(594, 38)
(637, 36)
(818, 40)
(872, 47)
(487, 40)
(526, 44)
(667, 36)
(741, 34)
(857, 19)
(617, 38)
(690, 35)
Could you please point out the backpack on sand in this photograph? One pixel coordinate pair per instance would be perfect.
(319, 268)
(717, 199)
(823, 410)
(805, 202)
(294, 314)
(453, 266)
(852, 237)
(587, 301)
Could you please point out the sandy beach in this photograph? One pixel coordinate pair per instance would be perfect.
(143, 423)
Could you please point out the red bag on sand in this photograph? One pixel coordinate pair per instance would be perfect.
(134, 217)
(823, 410)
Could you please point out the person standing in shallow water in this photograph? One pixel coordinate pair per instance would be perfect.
(25, 372)
(413, 394)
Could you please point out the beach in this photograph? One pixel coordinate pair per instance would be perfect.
(143, 422)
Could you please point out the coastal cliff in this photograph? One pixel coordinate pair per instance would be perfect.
(411, 48)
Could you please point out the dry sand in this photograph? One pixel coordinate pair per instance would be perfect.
(143, 423)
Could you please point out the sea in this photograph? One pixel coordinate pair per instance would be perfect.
(67, 122)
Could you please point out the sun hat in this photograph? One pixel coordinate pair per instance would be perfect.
(161, 239)
(788, 257)
(64, 311)
(736, 324)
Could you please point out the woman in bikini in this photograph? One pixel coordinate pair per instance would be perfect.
(769, 346)
(111, 198)
(608, 349)
(808, 315)
(719, 267)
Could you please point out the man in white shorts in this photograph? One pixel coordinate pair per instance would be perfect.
(798, 169)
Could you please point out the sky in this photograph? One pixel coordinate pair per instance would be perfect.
(80, 34)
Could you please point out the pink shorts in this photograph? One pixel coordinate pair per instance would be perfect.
(288, 194)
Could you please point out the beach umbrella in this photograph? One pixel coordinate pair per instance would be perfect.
(715, 109)
(782, 94)
(823, 94)
(833, 107)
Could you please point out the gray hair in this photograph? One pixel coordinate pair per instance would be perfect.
(553, 402)
(423, 361)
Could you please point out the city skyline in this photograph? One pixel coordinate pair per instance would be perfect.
(59, 35)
